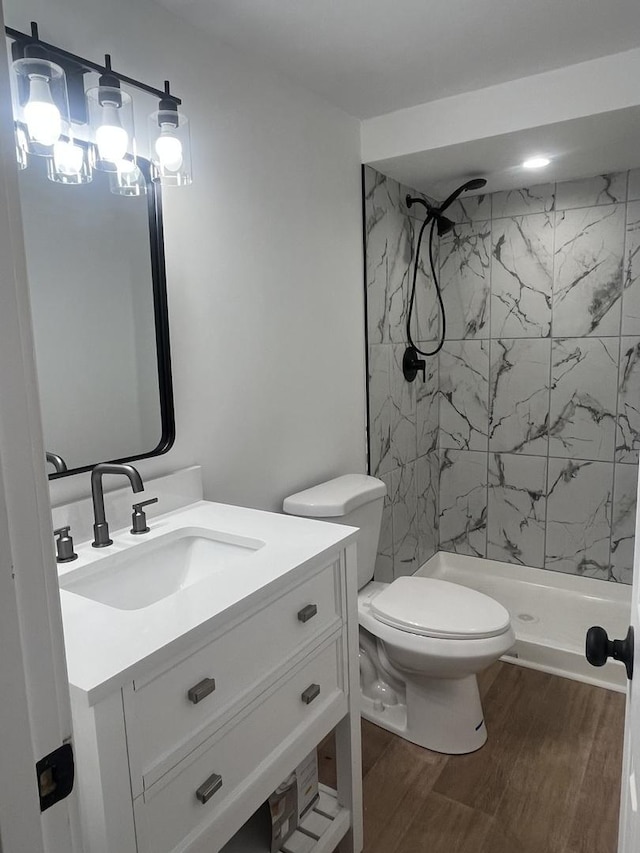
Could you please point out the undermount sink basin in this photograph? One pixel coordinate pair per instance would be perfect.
(154, 570)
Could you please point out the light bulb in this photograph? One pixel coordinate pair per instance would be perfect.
(68, 157)
(111, 137)
(41, 114)
(169, 148)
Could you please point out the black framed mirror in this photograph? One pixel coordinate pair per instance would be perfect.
(97, 281)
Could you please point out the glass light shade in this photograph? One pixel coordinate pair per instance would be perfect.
(71, 163)
(42, 103)
(112, 127)
(128, 180)
(170, 148)
(22, 146)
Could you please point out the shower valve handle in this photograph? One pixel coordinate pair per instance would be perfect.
(412, 364)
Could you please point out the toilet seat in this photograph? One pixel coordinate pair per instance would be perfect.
(430, 607)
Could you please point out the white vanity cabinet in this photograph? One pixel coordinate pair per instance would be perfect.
(178, 757)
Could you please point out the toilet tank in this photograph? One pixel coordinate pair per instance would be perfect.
(353, 499)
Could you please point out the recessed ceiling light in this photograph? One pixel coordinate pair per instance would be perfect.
(536, 163)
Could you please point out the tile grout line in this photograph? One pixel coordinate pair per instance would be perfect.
(551, 339)
(489, 395)
(619, 362)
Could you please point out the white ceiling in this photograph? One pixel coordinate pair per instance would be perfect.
(371, 57)
(593, 145)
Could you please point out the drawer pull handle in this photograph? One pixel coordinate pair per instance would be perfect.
(311, 693)
(201, 690)
(208, 788)
(307, 612)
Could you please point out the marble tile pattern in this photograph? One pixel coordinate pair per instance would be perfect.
(522, 276)
(519, 396)
(427, 478)
(384, 559)
(517, 504)
(582, 420)
(403, 418)
(470, 208)
(404, 500)
(579, 503)
(522, 443)
(587, 287)
(628, 433)
(464, 395)
(381, 410)
(463, 502)
(589, 192)
(465, 261)
(623, 523)
(538, 199)
(631, 287)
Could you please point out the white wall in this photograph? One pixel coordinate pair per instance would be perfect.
(264, 258)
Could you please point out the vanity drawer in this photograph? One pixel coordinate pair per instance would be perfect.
(179, 708)
(194, 794)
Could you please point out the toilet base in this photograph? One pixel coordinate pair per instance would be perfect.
(441, 714)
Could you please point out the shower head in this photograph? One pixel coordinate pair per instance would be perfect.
(473, 184)
(444, 225)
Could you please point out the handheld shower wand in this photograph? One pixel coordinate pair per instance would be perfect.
(411, 362)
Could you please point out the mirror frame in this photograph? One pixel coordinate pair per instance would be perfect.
(161, 316)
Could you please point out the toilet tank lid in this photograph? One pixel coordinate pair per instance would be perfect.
(335, 497)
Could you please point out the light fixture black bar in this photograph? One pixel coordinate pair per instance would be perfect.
(87, 64)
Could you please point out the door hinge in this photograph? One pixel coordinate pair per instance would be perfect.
(55, 773)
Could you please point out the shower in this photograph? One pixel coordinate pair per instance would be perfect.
(411, 363)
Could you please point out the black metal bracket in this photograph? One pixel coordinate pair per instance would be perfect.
(76, 67)
(56, 773)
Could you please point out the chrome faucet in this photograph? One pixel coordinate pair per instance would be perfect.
(101, 528)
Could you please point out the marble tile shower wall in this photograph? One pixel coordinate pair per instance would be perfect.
(403, 417)
(522, 444)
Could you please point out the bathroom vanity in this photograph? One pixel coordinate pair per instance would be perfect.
(206, 659)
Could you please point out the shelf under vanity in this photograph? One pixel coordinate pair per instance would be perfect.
(321, 830)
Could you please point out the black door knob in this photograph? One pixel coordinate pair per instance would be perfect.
(599, 648)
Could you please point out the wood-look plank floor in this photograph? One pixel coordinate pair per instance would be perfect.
(546, 781)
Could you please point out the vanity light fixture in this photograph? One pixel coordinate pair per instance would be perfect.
(536, 162)
(171, 154)
(71, 162)
(79, 132)
(43, 106)
(128, 179)
(111, 120)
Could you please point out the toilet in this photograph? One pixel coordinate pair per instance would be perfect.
(422, 640)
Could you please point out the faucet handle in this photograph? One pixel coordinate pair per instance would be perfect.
(139, 518)
(64, 545)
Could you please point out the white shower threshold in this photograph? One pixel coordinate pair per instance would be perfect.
(550, 613)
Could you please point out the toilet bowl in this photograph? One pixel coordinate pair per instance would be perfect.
(422, 640)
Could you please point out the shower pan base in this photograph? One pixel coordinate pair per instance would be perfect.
(550, 613)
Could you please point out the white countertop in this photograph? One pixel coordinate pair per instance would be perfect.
(107, 647)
